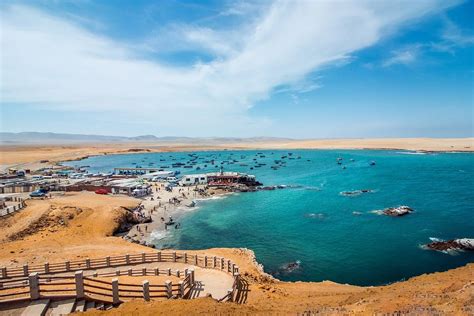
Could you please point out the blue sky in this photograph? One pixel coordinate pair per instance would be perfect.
(301, 68)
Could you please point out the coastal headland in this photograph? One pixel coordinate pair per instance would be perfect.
(82, 225)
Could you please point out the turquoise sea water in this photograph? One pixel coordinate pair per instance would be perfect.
(313, 223)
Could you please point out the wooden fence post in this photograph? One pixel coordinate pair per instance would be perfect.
(79, 279)
(228, 265)
(127, 258)
(178, 273)
(143, 271)
(229, 293)
(236, 268)
(185, 257)
(192, 276)
(68, 265)
(214, 262)
(107, 261)
(25, 269)
(169, 288)
(169, 271)
(181, 289)
(115, 291)
(157, 271)
(117, 272)
(146, 290)
(130, 271)
(46, 267)
(174, 256)
(205, 261)
(222, 263)
(88, 263)
(143, 257)
(34, 286)
(195, 259)
(4, 272)
(158, 256)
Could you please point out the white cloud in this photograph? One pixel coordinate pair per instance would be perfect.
(403, 56)
(51, 62)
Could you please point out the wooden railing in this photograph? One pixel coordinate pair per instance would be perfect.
(43, 281)
(116, 261)
(80, 286)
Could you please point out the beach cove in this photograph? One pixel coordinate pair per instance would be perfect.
(324, 229)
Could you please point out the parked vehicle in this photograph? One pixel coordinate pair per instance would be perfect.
(38, 193)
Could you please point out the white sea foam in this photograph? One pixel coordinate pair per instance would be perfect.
(158, 234)
(215, 197)
(412, 153)
(378, 212)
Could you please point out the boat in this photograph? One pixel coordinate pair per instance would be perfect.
(372, 163)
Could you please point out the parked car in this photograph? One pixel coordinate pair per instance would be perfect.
(101, 191)
(37, 193)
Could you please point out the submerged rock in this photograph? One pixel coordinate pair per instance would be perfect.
(397, 211)
(289, 267)
(356, 192)
(454, 244)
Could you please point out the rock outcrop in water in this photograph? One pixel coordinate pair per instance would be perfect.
(454, 244)
(288, 268)
(356, 192)
(397, 211)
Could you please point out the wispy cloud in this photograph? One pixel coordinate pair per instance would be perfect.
(52, 62)
(450, 39)
(405, 56)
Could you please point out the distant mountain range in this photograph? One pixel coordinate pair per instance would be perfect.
(58, 138)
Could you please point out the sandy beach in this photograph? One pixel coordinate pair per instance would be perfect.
(30, 156)
(163, 205)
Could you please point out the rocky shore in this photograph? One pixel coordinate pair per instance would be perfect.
(466, 244)
(397, 211)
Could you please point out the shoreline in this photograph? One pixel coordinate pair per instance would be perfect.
(162, 205)
(89, 234)
(31, 155)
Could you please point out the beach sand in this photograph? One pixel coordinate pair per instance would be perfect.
(160, 206)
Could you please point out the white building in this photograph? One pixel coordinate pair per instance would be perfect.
(193, 179)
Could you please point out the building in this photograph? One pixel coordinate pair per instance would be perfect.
(220, 179)
(193, 179)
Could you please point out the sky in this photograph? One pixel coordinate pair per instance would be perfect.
(297, 68)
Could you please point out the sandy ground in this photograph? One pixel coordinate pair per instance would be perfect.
(30, 156)
(80, 225)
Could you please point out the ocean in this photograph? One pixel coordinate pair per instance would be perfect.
(332, 236)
